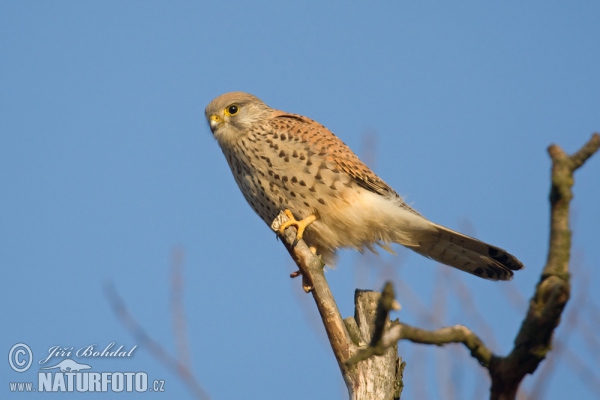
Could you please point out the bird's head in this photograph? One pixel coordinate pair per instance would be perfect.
(231, 115)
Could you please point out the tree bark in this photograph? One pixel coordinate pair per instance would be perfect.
(378, 377)
(375, 378)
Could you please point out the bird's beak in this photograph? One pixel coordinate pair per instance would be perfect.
(214, 122)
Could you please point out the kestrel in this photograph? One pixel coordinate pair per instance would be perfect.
(287, 162)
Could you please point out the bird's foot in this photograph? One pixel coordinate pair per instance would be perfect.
(306, 285)
(300, 225)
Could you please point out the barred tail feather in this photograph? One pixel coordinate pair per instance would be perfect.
(465, 253)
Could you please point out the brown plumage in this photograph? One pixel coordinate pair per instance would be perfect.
(286, 161)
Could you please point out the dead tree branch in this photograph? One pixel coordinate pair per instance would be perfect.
(553, 290)
(450, 334)
(533, 340)
(382, 335)
(375, 378)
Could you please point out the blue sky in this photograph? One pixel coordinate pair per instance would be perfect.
(107, 166)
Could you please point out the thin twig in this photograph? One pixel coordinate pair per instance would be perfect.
(153, 346)
(177, 310)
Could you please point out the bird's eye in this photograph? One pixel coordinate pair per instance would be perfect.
(232, 109)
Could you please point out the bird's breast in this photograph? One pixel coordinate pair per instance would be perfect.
(276, 173)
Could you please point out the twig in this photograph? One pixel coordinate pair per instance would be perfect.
(154, 347)
(451, 334)
(177, 310)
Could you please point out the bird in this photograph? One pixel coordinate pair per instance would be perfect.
(284, 162)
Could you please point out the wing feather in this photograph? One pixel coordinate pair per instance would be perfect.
(336, 152)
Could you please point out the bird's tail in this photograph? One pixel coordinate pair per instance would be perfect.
(461, 251)
(373, 219)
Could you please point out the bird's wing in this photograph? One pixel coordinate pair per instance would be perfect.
(326, 144)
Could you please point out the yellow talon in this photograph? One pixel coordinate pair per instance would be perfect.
(300, 225)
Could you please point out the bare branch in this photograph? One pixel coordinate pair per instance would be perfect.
(588, 150)
(533, 341)
(563, 167)
(177, 310)
(153, 346)
(313, 281)
(451, 334)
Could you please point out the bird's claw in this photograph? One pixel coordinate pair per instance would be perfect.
(300, 225)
